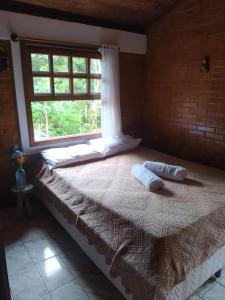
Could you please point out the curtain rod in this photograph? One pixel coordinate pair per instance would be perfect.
(16, 38)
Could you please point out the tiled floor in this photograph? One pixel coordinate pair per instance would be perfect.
(45, 263)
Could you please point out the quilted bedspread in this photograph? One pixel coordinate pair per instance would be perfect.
(152, 240)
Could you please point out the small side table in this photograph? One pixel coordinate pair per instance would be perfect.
(23, 199)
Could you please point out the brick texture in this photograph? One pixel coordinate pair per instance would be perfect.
(9, 133)
(131, 91)
(184, 109)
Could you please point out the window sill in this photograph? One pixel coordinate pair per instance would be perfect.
(64, 140)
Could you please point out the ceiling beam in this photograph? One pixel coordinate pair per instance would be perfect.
(51, 13)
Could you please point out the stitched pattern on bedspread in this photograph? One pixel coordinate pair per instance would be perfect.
(153, 240)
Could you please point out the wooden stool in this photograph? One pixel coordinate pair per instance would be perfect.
(23, 199)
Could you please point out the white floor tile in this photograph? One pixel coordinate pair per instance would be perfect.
(205, 287)
(193, 297)
(221, 280)
(17, 258)
(27, 284)
(40, 249)
(54, 272)
(216, 293)
(68, 292)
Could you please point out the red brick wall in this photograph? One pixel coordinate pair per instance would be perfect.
(9, 133)
(184, 110)
(131, 91)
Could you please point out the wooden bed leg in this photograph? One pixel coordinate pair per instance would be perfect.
(218, 274)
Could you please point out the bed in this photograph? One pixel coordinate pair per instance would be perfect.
(157, 246)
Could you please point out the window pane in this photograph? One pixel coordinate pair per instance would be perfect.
(41, 85)
(40, 62)
(54, 119)
(95, 66)
(62, 85)
(80, 85)
(95, 85)
(60, 64)
(79, 65)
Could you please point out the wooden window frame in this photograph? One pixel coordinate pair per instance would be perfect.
(56, 49)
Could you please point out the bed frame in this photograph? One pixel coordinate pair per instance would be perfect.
(211, 267)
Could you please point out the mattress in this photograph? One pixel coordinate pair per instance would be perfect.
(152, 240)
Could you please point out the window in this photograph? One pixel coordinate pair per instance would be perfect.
(63, 92)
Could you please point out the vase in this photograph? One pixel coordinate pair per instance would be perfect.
(20, 178)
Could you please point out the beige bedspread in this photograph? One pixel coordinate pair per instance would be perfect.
(153, 240)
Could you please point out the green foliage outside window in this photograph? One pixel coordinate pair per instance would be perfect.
(80, 85)
(41, 85)
(79, 65)
(95, 66)
(60, 63)
(62, 85)
(53, 119)
(40, 62)
(95, 86)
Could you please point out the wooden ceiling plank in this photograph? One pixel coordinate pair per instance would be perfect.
(40, 11)
(129, 15)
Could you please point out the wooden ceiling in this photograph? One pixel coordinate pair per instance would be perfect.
(130, 15)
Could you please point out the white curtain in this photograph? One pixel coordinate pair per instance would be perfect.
(110, 93)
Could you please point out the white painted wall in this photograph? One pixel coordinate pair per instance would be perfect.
(37, 27)
(49, 29)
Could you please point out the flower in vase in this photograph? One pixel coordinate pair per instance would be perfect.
(18, 158)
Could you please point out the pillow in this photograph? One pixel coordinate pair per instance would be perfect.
(113, 146)
(58, 157)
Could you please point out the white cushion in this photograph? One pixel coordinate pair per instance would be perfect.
(58, 157)
(113, 146)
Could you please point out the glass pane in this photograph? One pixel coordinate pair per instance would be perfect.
(40, 62)
(95, 85)
(60, 64)
(62, 85)
(80, 85)
(54, 119)
(95, 66)
(41, 85)
(79, 65)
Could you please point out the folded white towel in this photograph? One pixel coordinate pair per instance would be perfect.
(165, 170)
(151, 181)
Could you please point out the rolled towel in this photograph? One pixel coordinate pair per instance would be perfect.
(151, 181)
(166, 171)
